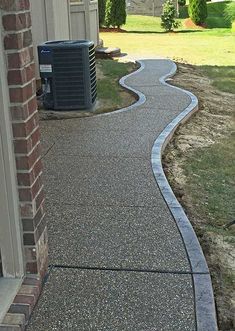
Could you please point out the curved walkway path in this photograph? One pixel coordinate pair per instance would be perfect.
(124, 258)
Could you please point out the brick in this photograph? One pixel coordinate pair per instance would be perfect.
(14, 319)
(39, 199)
(27, 38)
(14, 61)
(21, 76)
(12, 22)
(34, 86)
(30, 254)
(9, 327)
(30, 224)
(28, 19)
(31, 53)
(32, 106)
(13, 41)
(31, 268)
(37, 186)
(29, 290)
(26, 209)
(25, 146)
(7, 4)
(37, 169)
(30, 71)
(22, 112)
(20, 308)
(28, 194)
(29, 239)
(19, 112)
(16, 22)
(26, 162)
(20, 59)
(25, 195)
(21, 94)
(24, 5)
(40, 229)
(27, 178)
(32, 281)
(28, 299)
(26, 129)
(17, 77)
(42, 251)
(39, 215)
(15, 5)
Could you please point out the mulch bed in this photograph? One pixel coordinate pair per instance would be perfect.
(191, 25)
(112, 30)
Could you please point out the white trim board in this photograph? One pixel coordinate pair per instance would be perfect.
(10, 224)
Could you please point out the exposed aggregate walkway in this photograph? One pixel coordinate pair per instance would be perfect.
(119, 261)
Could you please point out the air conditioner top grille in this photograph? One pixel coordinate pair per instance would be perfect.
(69, 44)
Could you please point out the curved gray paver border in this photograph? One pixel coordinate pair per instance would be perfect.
(139, 102)
(141, 97)
(204, 297)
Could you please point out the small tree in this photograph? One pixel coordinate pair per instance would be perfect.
(197, 11)
(168, 21)
(115, 13)
(102, 5)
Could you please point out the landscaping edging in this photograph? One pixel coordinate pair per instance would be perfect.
(70, 114)
(141, 96)
(205, 310)
(204, 298)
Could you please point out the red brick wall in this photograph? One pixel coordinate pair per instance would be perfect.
(16, 22)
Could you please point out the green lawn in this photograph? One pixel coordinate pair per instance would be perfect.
(139, 23)
(145, 38)
(202, 48)
(111, 95)
(213, 176)
(223, 78)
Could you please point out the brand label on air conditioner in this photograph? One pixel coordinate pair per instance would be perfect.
(45, 68)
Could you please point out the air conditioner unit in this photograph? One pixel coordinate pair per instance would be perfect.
(68, 73)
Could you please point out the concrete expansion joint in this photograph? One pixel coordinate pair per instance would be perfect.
(93, 268)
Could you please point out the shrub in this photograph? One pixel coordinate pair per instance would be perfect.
(229, 12)
(182, 2)
(115, 13)
(197, 11)
(168, 21)
(102, 5)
